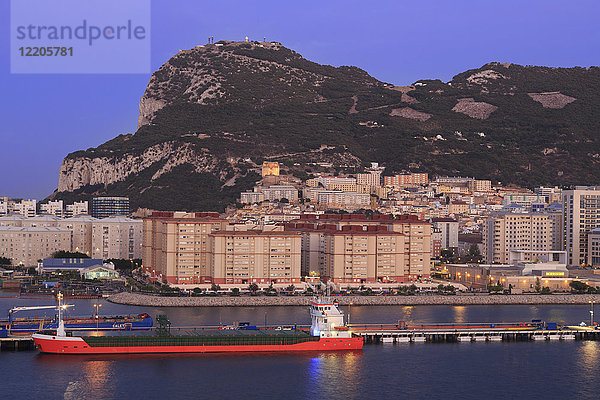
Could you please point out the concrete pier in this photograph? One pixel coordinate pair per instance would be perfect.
(437, 336)
(16, 344)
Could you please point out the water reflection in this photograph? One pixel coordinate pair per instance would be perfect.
(459, 313)
(334, 375)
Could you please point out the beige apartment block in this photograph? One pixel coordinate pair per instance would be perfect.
(117, 237)
(335, 199)
(477, 185)
(26, 245)
(317, 231)
(581, 210)
(176, 245)
(409, 179)
(372, 178)
(354, 255)
(255, 257)
(503, 232)
(81, 232)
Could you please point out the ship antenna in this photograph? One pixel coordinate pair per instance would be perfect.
(61, 324)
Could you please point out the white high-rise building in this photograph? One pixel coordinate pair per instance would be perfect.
(117, 237)
(581, 214)
(505, 231)
(53, 207)
(77, 208)
(27, 208)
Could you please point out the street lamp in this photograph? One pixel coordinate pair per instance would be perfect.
(591, 313)
(97, 306)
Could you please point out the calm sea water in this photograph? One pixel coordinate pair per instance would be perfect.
(514, 370)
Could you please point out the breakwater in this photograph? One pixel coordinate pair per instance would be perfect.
(262, 301)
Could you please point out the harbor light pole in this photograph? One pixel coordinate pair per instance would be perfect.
(97, 306)
(591, 313)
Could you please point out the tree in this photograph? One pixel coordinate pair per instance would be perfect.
(474, 250)
(546, 290)
(578, 287)
(270, 291)
(290, 289)
(69, 254)
(5, 261)
(538, 285)
(215, 288)
(253, 288)
(235, 292)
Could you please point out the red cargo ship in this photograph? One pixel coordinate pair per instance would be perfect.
(327, 333)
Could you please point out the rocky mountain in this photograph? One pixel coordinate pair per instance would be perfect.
(212, 114)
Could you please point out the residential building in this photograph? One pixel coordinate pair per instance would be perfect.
(408, 179)
(176, 246)
(278, 192)
(321, 254)
(252, 197)
(581, 210)
(327, 182)
(448, 232)
(457, 207)
(77, 208)
(4, 206)
(477, 185)
(81, 232)
(27, 208)
(372, 178)
(593, 244)
(335, 199)
(53, 208)
(103, 207)
(117, 237)
(503, 232)
(26, 245)
(254, 256)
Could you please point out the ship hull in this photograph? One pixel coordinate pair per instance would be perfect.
(77, 345)
(78, 324)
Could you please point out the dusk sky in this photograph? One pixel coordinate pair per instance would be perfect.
(45, 116)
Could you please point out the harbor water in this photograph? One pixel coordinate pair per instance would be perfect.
(496, 370)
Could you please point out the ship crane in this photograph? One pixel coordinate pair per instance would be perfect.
(60, 307)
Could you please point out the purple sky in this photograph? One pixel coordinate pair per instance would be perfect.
(45, 117)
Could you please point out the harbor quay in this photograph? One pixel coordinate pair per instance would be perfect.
(416, 300)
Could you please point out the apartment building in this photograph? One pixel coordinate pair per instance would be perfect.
(504, 231)
(335, 199)
(27, 208)
(176, 245)
(328, 182)
(77, 208)
(53, 208)
(278, 192)
(406, 238)
(81, 232)
(478, 185)
(25, 245)
(117, 237)
(448, 232)
(103, 207)
(372, 178)
(409, 179)
(581, 214)
(254, 256)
